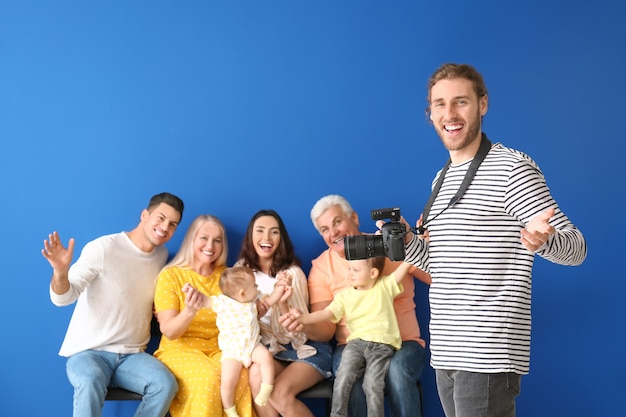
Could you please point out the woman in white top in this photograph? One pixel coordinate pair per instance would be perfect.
(299, 363)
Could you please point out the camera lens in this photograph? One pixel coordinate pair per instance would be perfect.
(363, 246)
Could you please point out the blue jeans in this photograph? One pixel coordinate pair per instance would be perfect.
(370, 361)
(92, 371)
(405, 369)
(321, 361)
(472, 394)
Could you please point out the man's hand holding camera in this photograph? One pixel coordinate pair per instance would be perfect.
(389, 242)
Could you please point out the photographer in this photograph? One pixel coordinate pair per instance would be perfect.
(486, 220)
(335, 219)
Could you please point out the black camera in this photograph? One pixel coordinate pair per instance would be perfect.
(390, 243)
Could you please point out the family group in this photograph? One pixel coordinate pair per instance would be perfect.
(245, 340)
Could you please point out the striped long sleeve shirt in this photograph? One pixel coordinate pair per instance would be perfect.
(481, 273)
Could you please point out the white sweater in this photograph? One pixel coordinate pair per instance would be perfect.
(480, 295)
(114, 282)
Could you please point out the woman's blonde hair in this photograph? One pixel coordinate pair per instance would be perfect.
(185, 256)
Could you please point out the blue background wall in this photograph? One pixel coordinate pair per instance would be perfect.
(238, 106)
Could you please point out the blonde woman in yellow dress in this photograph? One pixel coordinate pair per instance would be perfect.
(189, 346)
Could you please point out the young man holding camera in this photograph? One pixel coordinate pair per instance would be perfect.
(490, 213)
(335, 219)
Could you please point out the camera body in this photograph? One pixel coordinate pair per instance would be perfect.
(390, 243)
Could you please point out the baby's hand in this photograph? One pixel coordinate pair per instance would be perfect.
(285, 295)
(283, 278)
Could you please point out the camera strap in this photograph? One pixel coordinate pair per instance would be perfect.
(485, 146)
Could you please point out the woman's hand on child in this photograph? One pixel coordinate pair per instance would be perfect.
(262, 306)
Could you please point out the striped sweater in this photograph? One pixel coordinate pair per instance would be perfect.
(481, 273)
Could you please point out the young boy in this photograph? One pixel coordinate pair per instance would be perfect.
(374, 334)
(239, 333)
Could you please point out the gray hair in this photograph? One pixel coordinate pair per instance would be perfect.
(327, 202)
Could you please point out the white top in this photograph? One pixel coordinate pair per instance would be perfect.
(114, 282)
(266, 286)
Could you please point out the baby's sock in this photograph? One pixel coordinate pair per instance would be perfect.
(264, 394)
(231, 412)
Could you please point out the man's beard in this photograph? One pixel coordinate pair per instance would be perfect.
(473, 131)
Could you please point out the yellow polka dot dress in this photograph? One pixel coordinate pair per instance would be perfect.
(194, 358)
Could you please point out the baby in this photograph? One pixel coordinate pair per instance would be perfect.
(239, 334)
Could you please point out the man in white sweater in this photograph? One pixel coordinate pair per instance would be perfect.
(113, 281)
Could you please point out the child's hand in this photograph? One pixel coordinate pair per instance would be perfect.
(291, 320)
(283, 278)
(285, 295)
